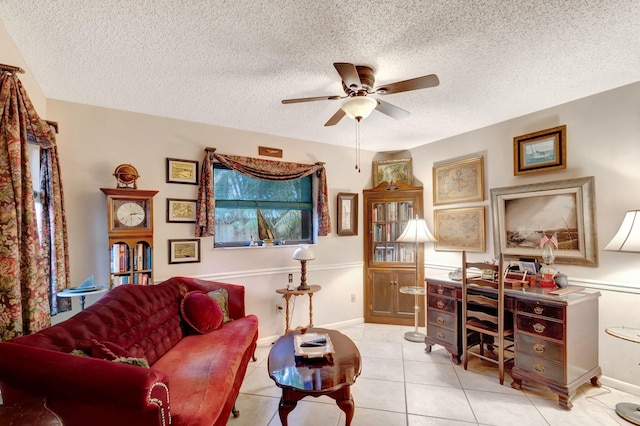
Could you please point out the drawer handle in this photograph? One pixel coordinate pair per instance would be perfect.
(440, 304)
(440, 320)
(538, 310)
(441, 335)
(539, 368)
(538, 328)
(538, 347)
(440, 290)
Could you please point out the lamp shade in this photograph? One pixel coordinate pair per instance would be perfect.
(303, 252)
(628, 236)
(359, 107)
(417, 231)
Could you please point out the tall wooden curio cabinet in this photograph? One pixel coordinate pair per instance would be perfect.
(130, 230)
(390, 265)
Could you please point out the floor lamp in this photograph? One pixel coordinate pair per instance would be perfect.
(416, 232)
(627, 239)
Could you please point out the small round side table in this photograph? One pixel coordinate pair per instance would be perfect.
(628, 411)
(295, 292)
(415, 335)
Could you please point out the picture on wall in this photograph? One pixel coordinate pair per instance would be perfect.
(184, 251)
(181, 210)
(566, 208)
(392, 171)
(182, 171)
(460, 229)
(542, 151)
(347, 214)
(458, 181)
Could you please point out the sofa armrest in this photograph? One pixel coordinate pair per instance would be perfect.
(236, 294)
(70, 377)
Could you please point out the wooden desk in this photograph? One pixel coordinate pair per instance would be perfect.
(295, 292)
(556, 337)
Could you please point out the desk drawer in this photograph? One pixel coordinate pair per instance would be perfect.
(541, 327)
(442, 334)
(535, 346)
(442, 303)
(442, 319)
(545, 368)
(442, 290)
(537, 308)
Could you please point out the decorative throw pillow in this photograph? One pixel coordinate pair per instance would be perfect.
(139, 362)
(201, 312)
(221, 296)
(107, 350)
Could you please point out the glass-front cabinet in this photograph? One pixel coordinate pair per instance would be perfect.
(390, 264)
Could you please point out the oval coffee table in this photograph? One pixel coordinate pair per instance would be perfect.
(298, 377)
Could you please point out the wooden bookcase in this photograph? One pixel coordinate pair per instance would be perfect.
(390, 265)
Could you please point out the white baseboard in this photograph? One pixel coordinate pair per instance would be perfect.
(620, 385)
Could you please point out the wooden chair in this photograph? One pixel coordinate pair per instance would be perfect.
(483, 315)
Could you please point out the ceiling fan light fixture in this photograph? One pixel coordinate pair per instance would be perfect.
(359, 107)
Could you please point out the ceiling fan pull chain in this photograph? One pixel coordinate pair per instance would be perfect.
(358, 145)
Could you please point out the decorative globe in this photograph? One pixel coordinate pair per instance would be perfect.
(126, 176)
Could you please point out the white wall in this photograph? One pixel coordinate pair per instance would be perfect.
(603, 140)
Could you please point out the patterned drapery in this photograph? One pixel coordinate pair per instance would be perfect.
(24, 285)
(260, 169)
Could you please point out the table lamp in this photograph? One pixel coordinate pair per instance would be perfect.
(627, 239)
(304, 254)
(416, 232)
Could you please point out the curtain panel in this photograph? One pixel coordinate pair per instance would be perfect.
(259, 169)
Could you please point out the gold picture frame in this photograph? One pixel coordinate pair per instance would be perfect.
(565, 208)
(184, 251)
(460, 181)
(347, 213)
(181, 210)
(542, 151)
(392, 171)
(182, 171)
(460, 229)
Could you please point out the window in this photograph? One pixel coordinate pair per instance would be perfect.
(286, 206)
(34, 162)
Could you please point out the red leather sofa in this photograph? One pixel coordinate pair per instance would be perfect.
(193, 379)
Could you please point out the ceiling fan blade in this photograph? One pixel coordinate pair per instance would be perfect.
(335, 118)
(423, 82)
(392, 110)
(348, 73)
(316, 98)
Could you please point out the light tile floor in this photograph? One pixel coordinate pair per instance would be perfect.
(401, 385)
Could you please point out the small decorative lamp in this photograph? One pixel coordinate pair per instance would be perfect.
(304, 254)
(416, 232)
(548, 246)
(627, 239)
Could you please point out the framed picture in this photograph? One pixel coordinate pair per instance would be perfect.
(347, 214)
(270, 152)
(180, 210)
(541, 151)
(460, 229)
(459, 181)
(184, 251)
(565, 208)
(392, 171)
(182, 171)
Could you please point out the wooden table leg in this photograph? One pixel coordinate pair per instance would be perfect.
(310, 309)
(345, 401)
(286, 312)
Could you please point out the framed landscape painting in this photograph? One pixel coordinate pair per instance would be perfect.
(460, 229)
(392, 171)
(565, 208)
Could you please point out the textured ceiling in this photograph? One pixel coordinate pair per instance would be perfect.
(230, 63)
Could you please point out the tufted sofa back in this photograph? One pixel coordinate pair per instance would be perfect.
(144, 320)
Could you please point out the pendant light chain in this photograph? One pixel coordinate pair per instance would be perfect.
(358, 145)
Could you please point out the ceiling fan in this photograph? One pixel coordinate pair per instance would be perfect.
(358, 83)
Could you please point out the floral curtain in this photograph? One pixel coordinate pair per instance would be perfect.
(260, 169)
(55, 248)
(24, 285)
